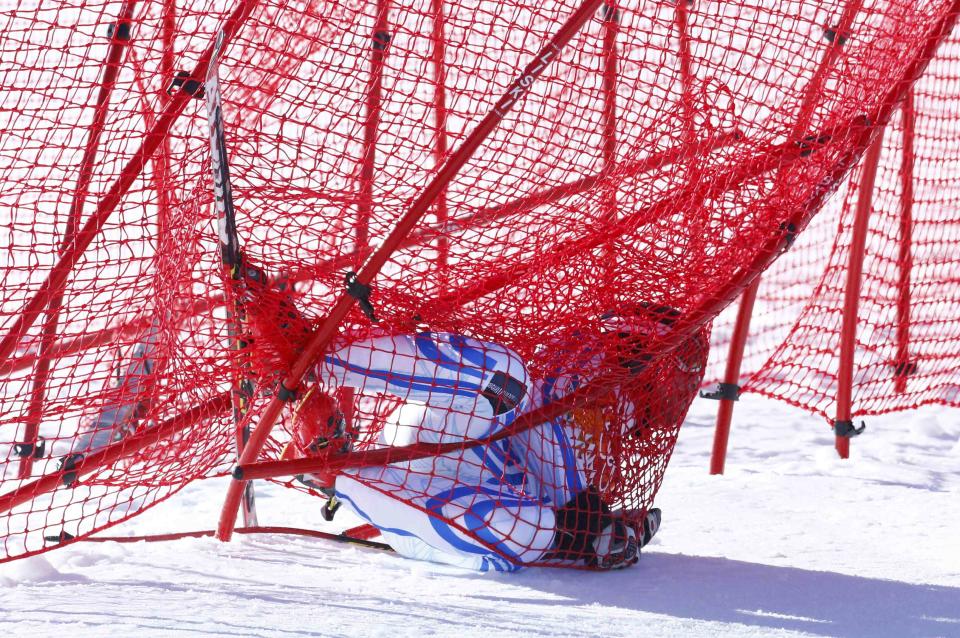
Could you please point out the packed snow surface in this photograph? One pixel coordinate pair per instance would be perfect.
(791, 541)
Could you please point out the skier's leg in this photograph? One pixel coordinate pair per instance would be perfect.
(435, 518)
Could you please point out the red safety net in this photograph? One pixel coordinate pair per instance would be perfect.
(908, 312)
(545, 204)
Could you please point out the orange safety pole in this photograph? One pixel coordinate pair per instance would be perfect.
(903, 366)
(842, 425)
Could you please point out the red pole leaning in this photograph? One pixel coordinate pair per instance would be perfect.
(384, 456)
(843, 425)
(730, 389)
(111, 199)
(119, 39)
(903, 367)
(372, 267)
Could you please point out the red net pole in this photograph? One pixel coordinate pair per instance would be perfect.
(161, 164)
(388, 455)
(836, 35)
(325, 333)
(380, 40)
(903, 367)
(851, 302)
(611, 25)
(681, 18)
(119, 38)
(440, 121)
(111, 199)
(731, 376)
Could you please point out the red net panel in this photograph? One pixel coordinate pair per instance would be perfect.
(909, 309)
(581, 188)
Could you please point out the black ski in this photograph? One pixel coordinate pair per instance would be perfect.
(232, 258)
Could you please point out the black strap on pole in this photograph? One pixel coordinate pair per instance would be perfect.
(846, 429)
(723, 392)
(360, 292)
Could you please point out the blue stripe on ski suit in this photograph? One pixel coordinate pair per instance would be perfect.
(475, 356)
(393, 530)
(475, 523)
(574, 484)
(411, 382)
(428, 346)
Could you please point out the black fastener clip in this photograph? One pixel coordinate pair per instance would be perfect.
(847, 430)
(380, 40)
(723, 392)
(360, 292)
(34, 450)
(185, 83)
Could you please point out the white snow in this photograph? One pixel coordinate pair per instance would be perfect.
(791, 541)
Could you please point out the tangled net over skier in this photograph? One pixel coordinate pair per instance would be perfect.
(480, 246)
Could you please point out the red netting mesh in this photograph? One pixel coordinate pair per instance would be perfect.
(624, 182)
(909, 307)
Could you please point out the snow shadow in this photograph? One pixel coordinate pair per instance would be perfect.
(718, 589)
